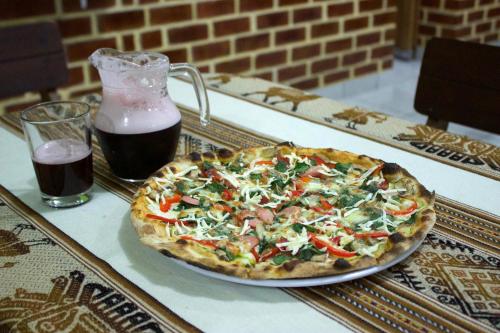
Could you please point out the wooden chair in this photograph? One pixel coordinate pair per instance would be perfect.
(460, 82)
(31, 59)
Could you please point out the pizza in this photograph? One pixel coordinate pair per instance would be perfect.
(282, 212)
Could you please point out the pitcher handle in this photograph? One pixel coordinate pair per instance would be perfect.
(199, 88)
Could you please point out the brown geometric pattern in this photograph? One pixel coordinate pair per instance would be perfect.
(442, 146)
(449, 285)
(51, 284)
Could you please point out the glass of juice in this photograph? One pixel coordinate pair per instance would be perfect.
(60, 141)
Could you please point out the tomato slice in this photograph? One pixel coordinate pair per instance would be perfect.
(226, 195)
(320, 244)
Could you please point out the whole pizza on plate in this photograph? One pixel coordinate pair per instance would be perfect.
(282, 212)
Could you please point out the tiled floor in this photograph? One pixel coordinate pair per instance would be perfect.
(393, 92)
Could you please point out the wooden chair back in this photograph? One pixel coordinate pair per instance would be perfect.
(31, 59)
(460, 82)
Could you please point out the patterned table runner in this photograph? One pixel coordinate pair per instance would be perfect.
(52, 284)
(450, 284)
(446, 147)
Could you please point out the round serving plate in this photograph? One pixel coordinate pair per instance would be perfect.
(306, 282)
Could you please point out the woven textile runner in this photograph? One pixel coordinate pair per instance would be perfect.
(449, 284)
(52, 284)
(445, 147)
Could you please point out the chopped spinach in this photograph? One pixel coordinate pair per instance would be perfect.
(390, 228)
(373, 213)
(412, 219)
(281, 258)
(297, 227)
(308, 252)
(278, 184)
(229, 255)
(376, 225)
(235, 168)
(255, 176)
(347, 200)
(263, 244)
(281, 166)
(326, 195)
(183, 205)
(372, 188)
(207, 165)
(181, 187)
(301, 167)
(343, 167)
(216, 187)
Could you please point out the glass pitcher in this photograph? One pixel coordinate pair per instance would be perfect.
(138, 125)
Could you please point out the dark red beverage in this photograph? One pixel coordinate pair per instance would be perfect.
(136, 156)
(63, 167)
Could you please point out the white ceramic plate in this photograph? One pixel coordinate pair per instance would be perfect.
(308, 282)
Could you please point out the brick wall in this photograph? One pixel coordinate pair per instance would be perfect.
(304, 43)
(470, 20)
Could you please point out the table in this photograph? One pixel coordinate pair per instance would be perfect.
(450, 284)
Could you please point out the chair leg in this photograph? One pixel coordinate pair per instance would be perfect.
(437, 123)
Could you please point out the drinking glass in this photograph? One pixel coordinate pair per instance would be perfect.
(60, 142)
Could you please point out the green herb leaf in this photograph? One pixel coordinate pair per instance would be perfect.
(278, 184)
(297, 227)
(263, 244)
(376, 225)
(308, 253)
(412, 219)
(181, 187)
(255, 176)
(343, 167)
(229, 255)
(235, 168)
(372, 188)
(281, 166)
(349, 200)
(301, 167)
(281, 258)
(215, 187)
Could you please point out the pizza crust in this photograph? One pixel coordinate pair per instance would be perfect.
(152, 232)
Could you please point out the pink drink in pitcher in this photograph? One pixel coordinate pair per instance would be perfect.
(63, 167)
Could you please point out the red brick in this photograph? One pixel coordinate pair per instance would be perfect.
(292, 72)
(177, 55)
(74, 27)
(306, 84)
(210, 51)
(491, 38)
(290, 36)
(355, 24)
(338, 45)
(188, 34)
(494, 12)
(233, 66)
(387, 64)
(147, 1)
(367, 5)
(458, 4)
(305, 52)
(215, 8)
(384, 18)
(366, 69)
(82, 50)
(353, 58)
(151, 39)
(246, 5)
(324, 65)
(483, 27)
(128, 42)
(445, 19)
(430, 3)
(204, 69)
(335, 77)
(291, 2)
(390, 34)
(21, 106)
(265, 76)
(475, 16)
(83, 92)
(272, 20)
(485, 2)
(270, 59)
(391, 3)
(121, 21)
(340, 9)
(252, 42)
(456, 33)
(15, 9)
(74, 5)
(127, 2)
(324, 29)
(426, 30)
(169, 14)
(75, 76)
(306, 14)
(94, 74)
(368, 39)
(232, 26)
(382, 51)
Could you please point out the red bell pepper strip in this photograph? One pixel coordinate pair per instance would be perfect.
(274, 251)
(223, 208)
(383, 185)
(405, 211)
(167, 203)
(163, 219)
(348, 230)
(321, 211)
(336, 240)
(325, 204)
(332, 250)
(305, 179)
(377, 170)
(255, 254)
(264, 163)
(372, 234)
(226, 195)
(203, 242)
